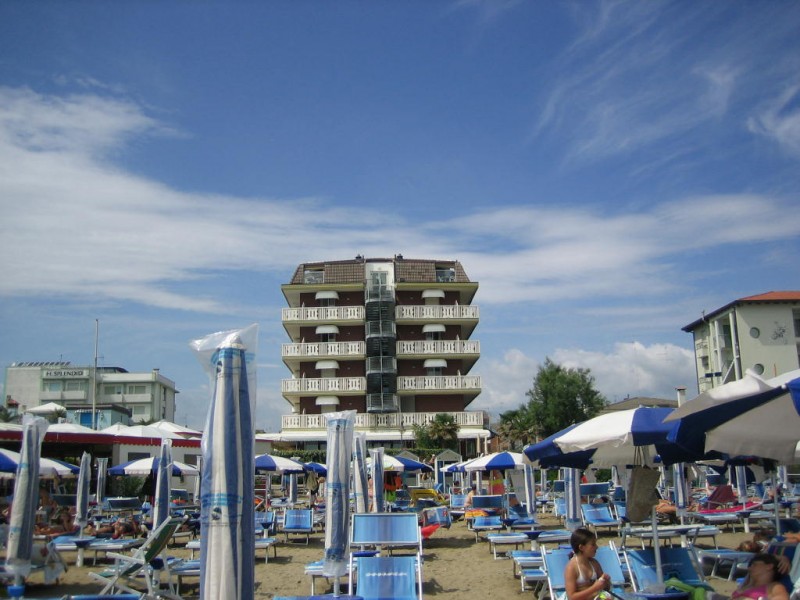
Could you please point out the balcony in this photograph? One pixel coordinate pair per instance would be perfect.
(377, 421)
(125, 398)
(294, 354)
(448, 314)
(466, 385)
(383, 403)
(294, 318)
(467, 351)
(73, 395)
(327, 385)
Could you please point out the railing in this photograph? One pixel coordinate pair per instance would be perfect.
(381, 364)
(439, 382)
(380, 328)
(323, 313)
(439, 347)
(329, 349)
(324, 384)
(437, 312)
(384, 420)
(64, 395)
(383, 402)
(124, 398)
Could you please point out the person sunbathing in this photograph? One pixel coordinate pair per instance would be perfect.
(762, 582)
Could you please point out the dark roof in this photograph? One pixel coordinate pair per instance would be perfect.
(768, 297)
(406, 269)
(638, 401)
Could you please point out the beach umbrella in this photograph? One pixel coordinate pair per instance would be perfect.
(340, 427)
(102, 467)
(740, 480)
(292, 495)
(681, 490)
(142, 467)
(163, 485)
(546, 454)
(49, 468)
(396, 464)
(82, 501)
(22, 520)
(47, 409)
(361, 484)
(498, 461)
(316, 467)
(377, 479)
(227, 511)
(530, 489)
(267, 463)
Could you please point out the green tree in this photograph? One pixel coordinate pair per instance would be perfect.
(441, 432)
(561, 397)
(517, 428)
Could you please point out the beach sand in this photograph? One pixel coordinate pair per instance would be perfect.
(455, 566)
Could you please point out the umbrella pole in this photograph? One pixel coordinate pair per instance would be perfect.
(657, 549)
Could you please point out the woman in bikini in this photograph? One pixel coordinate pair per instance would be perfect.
(761, 582)
(584, 577)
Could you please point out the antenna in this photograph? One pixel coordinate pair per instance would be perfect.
(94, 374)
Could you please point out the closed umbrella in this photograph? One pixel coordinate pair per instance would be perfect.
(82, 501)
(163, 484)
(227, 516)
(337, 494)
(292, 489)
(377, 479)
(681, 490)
(572, 492)
(102, 467)
(361, 484)
(530, 489)
(740, 472)
(22, 520)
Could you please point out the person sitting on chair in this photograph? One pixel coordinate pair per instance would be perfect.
(762, 582)
(584, 577)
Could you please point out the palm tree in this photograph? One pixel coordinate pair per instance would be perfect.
(443, 430)
(517, 428)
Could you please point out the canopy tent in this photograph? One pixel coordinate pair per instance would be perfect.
(143, 467)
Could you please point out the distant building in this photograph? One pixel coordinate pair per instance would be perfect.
(760, 333)
(637, 401)
(119, 396)
(387, 337)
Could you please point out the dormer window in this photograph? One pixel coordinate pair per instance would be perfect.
(314, 276)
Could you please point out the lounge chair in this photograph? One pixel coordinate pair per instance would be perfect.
(389, 578)
(486, 524)
(555, 563)
(142, 563)
(299, 521)
(678, 563)
(457, 505)
(609, 559)
(599, 515)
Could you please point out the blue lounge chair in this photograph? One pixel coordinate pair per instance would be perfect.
(680, 563)
(299, 521)
(389, 578)
(457, 507)
(555, 562)
(609, 560)
(386, 531)
(599, 515)
(487, 523)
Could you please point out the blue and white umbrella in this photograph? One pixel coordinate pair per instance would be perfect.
(142, 467)
(679, 486)
(49, 468)
(22, 520)
(530, 490)
(546, 454)
(315, 467)
(267, 463)
(82, 501)
(498, 461)
(227, 516)
(292, 495)
(163, 484)
(361, 484)
(572, 495)
(340, 427)
(377, 479)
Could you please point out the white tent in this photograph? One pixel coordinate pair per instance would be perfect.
(142, 431)
(47, 409)
(182, 431)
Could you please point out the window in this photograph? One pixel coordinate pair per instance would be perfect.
(434, 371)
(796, 317)
(433, 336)
(445, 274)
(141, 409)
(137, 388)
(327, 337)
(327, 302)
(116, 388)
(314, 276)
(51, 386)
(138, 455)
(75, 386)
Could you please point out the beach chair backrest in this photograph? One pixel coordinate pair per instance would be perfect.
(679, 563)
(458, 500)
(385, 529)
(621, 509)
(494, 501)
(154, 546)
(597, 513)
(381, 577)
(555, 563)
(298, 518)
(559, 506)
(132, 504)
(487, 521)
(608, 557)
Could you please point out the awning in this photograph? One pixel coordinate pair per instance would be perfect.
(327, 401)
(331, 295)
(434, 362)
(326, 364)
(432, 294)
(433, 328)
(327, 329)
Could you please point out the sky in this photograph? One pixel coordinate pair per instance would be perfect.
(606, 171)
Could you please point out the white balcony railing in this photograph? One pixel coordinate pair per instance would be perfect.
(322, 314)
(383, 421)
(125, 398)
(437, 312)
(439, 347)
(63, 395)
(342, 385)
(439, 382)
(328, 349)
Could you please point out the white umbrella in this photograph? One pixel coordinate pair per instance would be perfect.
(69, 428)
(377, 479)
(360, 475)
(47, 409)
(140, 431)
(180, 430)
(26, 498)
(82, 501)
(277, 464)
(227, 515)
(100, 491)
(142, 467)
(163, 485)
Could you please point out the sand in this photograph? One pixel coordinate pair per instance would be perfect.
(455, 566)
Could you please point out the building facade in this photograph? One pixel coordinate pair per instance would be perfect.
(760, 333)
(113, 391)
(388, 338)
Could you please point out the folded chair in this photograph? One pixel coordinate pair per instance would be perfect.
(145, 562)
(599, 515)
(300, 521)
(389, 578)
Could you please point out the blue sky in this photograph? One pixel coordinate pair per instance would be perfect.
(605, 170)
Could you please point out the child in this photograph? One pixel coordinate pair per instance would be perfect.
(584, 577)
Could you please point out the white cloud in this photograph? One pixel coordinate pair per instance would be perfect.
(630, 369)
(780, 120)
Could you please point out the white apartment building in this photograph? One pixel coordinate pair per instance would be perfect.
(147, 396)
(760, 333)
